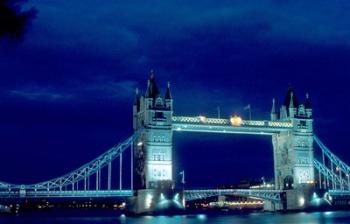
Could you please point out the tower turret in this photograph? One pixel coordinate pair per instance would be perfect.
(291, 103)
(291, 106)
(168, 98)
(308, 108)
(283, 113)
(136, 108)
(137, 99)
(152, 88)
(273, 111)
(301, 111)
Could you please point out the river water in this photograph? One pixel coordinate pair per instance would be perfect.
(101, 218)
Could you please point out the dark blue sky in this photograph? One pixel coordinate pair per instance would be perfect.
(67, 87)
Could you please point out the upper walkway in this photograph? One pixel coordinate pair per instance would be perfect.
(235, 125)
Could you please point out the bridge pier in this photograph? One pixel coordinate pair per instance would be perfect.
(272, 206)
(299, 198)
(156, 201)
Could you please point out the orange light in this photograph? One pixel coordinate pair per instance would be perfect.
(236, 120)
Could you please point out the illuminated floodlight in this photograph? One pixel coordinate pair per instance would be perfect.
(176, 197)
(201, 216)
(148, 200)
(202, 118)
(301, 201)
(162, 197)
(236, 120)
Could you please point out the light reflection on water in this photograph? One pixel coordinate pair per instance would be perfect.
(252, 218)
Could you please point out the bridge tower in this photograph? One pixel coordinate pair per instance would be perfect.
(153, 163)
(293, 151)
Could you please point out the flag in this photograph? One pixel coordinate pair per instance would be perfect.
(182, 173)
(247, 107)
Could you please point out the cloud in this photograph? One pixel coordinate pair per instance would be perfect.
(130, 29)
(108, 89)
(73, 43)
(78, 91)
(37, 93)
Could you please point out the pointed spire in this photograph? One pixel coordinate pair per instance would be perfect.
(307, 102)
(291, 101)
(137, 96)
(273, 110)
(148, 91)
(152, 89)
(290, 96)
(167, 93)
(151, 74)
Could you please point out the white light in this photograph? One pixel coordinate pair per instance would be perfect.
(202, 118)
(318, 201)
(162, 197)
(301, 201)
(139, 144)
(148, 201)
(163, 201)
(328, 213)
(201, 216)
(176, 197)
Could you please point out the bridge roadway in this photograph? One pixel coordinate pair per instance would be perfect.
(273, 195)
(238, 126)
(67, 194)
(190, 195)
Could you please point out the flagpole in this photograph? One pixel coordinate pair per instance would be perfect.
(248, 107)
(250, 113)
(219, 112)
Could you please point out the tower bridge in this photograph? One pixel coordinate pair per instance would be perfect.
(304, 168)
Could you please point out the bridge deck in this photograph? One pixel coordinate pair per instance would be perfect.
(217, 125)
(68, 194)
(272, 195)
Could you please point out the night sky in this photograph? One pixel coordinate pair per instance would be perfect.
(69, 75)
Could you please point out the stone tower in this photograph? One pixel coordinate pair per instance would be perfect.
(293, 150)
(153, 162)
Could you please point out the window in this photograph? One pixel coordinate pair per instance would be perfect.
(159, 115)
(158, 156)
(302, 123)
